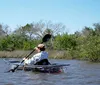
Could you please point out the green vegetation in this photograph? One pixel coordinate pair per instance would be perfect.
(83, 45)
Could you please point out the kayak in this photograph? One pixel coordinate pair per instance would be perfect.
(52, 68)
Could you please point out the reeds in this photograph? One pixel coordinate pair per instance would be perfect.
(53, 54)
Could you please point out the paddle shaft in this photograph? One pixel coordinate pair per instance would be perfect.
(22, 61)
(13, 70)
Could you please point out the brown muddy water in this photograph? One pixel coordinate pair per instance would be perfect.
(78, 73)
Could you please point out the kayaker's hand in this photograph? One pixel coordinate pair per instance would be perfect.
(25, 59)
(35, 48)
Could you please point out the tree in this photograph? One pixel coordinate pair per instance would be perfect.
(97, 28)
(4, 30)
(87, 31)
(64, 42)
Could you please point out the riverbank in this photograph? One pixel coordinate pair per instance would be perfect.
(54, 54)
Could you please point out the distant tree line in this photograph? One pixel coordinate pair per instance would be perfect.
(80, 45)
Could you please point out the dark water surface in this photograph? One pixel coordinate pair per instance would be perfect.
(78, 73)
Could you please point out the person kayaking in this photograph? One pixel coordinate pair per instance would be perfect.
(40, 58)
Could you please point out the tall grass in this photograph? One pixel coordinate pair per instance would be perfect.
(53, 54)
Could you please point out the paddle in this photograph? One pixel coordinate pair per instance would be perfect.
(44, 39)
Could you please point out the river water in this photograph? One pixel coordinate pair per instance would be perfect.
(78, 73)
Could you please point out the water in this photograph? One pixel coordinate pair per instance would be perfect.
(78, 73)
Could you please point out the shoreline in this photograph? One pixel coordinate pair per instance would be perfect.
(22, 53)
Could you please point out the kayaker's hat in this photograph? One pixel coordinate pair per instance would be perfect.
(41, 47)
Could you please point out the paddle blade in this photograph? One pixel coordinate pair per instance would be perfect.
(46, 38)
(13, 68)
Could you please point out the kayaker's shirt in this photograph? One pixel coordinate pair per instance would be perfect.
(37, 57)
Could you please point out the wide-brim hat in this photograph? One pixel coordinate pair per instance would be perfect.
(41, 46)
